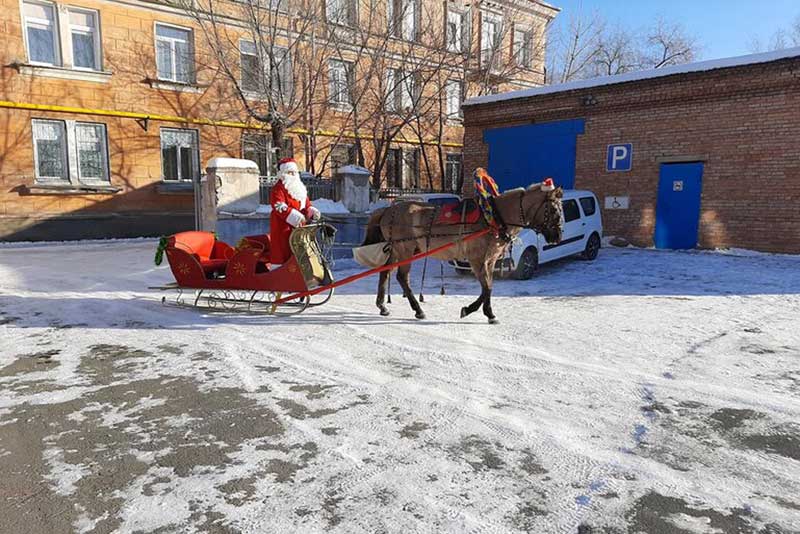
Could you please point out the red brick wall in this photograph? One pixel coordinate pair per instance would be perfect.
(743, 122)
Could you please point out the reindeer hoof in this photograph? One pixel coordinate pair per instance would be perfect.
(420, 315)
(464, 312)
(493, 320)
(384, 312)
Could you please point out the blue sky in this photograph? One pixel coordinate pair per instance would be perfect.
(723, 28)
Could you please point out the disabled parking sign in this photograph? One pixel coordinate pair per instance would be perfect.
(619, 158)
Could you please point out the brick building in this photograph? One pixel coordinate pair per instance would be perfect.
(109, 109)
(703, 154)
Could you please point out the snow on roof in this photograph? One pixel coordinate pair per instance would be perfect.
(699, 66)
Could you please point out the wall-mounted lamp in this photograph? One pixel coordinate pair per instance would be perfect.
(589, 100)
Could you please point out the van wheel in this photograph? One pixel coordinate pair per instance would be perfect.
(592, 247)
(528, 264)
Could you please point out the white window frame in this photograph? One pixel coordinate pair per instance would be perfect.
(346, 66)
(58, 56)
(460, 167)
(404, 25)
(457, 88)
(195, 154)
(259, 82)
(462, 29)
(70, 153)
(103, 154)
(491, 52)
(64, 153)
(335, 8)
(174, 72)
(96, 37)
(285, 79)
(527, 53)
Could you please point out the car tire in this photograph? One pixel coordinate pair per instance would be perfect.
(528, 264)
(592, 247)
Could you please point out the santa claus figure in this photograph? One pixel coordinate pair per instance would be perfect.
(290, 208)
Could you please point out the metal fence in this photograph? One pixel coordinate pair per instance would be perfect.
(326, 188)
(390, 193)
(317, 187)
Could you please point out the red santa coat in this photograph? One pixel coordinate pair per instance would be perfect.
(287, 213)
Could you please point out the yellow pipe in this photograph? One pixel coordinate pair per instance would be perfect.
(186, 120)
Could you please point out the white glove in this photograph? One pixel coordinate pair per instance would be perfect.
(295, 218)
(315, 213)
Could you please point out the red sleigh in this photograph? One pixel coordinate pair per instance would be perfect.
(228, 278)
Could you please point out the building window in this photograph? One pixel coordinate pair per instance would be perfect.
(456, 33)
(404, 19)
(340, 156)
(92, 150)
(50, 150)
(180, 155)
(174, 54)
(490, 39)
(41, 30)
(342, 12)
(258, 148)
(453, 178)
(57, 143)
(401, 90)
(453, 94)
(522, 47)
(339, 76)
(411, 168)
(394, 168)
(281, 73)
(78, 47)
(83, 29)
(250, 63)
(254, 74)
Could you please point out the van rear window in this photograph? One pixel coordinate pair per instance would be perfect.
(589, 206)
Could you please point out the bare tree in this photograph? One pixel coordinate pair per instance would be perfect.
(616, 53)
(668, 44)
(781, 39)
(587, 47)
(575, 48)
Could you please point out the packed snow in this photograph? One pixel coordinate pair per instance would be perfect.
(647, 391)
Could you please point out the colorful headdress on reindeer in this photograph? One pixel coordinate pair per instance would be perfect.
(485, 189)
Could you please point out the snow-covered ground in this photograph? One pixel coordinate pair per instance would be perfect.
(647, 391)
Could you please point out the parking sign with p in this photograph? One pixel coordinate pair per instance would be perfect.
(619, 157)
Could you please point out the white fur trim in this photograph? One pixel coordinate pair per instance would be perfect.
(295, 218)
(289, 166)
(548, 187)
(295, 187)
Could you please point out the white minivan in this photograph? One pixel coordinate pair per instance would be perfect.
(583, 231)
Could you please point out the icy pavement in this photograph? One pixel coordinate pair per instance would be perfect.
(645, 392)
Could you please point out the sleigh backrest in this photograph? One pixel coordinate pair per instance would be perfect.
(200, 244)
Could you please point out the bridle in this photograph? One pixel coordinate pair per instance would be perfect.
(504, 224)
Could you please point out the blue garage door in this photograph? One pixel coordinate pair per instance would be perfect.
(522, 155)
(678, 207)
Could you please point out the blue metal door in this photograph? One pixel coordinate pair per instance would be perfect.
(522, 155)
(678, 207)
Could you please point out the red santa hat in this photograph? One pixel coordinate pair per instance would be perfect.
(548, 184)
(288, 164)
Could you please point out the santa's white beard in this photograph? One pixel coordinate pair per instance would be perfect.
(295, 186)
